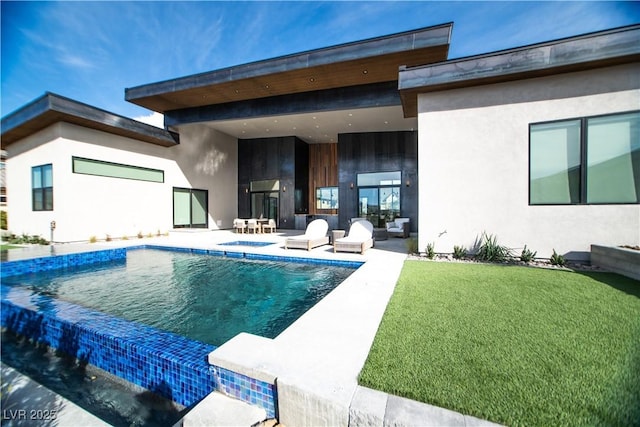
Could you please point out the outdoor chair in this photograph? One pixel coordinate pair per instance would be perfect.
(271, 226)
(315, 235)
(239, 225)
(252, 225)
(359, 239)
(399, 227)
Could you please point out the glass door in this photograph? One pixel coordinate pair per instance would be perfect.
(368, 206)
(264, 205)
(190, 208)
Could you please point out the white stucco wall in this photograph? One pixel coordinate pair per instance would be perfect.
(474, 164)
(86, 205)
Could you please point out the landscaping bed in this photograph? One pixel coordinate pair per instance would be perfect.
(514, 345)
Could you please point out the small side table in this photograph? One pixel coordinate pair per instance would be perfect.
(337, 234)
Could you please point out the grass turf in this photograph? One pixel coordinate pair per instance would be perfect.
(514, 345)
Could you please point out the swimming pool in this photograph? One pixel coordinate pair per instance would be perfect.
(205, 298)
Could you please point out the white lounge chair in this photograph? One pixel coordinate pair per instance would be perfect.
(315, 235)
(359, 239)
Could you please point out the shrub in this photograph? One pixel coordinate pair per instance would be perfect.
(412, 245)
(93, 239)
(3, 220)
(108, 238)
(459, 252)
(140, 235)
(557, 259)
(125, 237)
(526, 255)
(26, 239)
(489, 249)
(430, 251)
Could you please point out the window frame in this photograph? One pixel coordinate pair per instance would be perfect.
(42, 189)
(332, 189)
(584, 120)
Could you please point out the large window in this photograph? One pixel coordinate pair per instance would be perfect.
(116, 170)
(379, 196)
(327, 198)
(591, 160)
(42, 188)
(190, 208)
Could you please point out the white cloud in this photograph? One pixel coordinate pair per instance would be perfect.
(153, 119)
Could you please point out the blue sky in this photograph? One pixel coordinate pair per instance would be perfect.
(92, 51)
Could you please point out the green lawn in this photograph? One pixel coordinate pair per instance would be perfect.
(515, 345)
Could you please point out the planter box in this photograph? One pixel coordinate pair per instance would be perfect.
(618, 260)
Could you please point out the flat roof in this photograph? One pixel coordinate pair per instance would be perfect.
(593, 50)
(369, 61)
(51, 108)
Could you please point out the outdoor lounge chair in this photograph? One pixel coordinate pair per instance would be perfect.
(315, 235)
(359, 239)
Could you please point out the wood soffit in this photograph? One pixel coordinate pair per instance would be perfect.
(350, 73)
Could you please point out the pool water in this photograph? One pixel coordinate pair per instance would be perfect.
(203, 297)
(111, 399)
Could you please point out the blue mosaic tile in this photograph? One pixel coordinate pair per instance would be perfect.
(168, 364)
(247, 389)
(54, 262)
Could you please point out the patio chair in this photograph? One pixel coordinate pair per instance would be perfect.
(252, 224)
(271, 226)
(359, 239)
(315, 235)
(400, 227)
(239, 225)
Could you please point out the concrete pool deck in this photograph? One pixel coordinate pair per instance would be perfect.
(316, 361)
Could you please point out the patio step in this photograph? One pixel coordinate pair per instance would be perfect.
(219, 410)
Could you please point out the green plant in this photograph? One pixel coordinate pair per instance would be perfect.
(557, 259)
(26, 239)
(412, 245)
(149, 235)
(459, 252)
(489, 249)
(125, 237)
(3, 220)
(430, 251)
(93, 239)
(526, 255)
(158, 233)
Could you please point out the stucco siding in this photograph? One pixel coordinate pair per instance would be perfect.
(88, 205)
(474, 164)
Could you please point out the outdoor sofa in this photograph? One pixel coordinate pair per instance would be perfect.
(315, 235)
(399, 227)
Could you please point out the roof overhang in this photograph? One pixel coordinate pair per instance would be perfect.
(365, 62)
(51, 108)
(601, 49)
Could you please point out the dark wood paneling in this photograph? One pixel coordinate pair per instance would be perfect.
(323, 172)
(377, 152)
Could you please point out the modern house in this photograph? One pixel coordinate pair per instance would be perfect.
(538, 145)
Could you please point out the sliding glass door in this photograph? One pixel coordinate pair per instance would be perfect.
(379, 197)
(190, 208)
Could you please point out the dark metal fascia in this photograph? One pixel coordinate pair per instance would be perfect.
(622, 44)
(76, 112)
(363, 96)
(430, 36)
